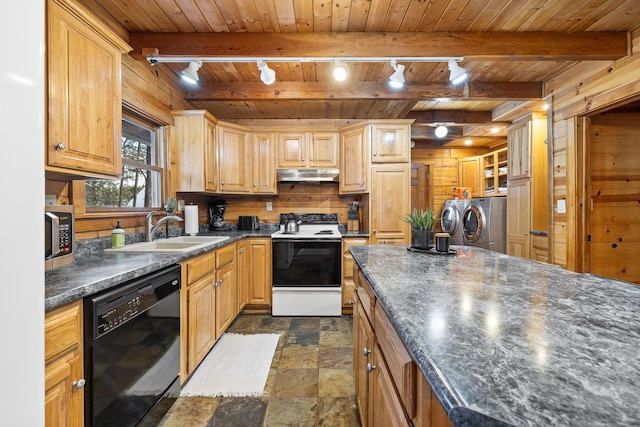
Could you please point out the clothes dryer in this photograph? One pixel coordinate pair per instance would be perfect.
(451, 219)
(484, 223)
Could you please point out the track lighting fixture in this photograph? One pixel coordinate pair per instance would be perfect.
(267, 75)
(457, 73)
(441, 131)
(340, 71)
(396, 80)
(190, 74)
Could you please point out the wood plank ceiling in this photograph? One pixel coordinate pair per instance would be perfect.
(510, 47)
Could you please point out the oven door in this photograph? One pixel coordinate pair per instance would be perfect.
(306, 263)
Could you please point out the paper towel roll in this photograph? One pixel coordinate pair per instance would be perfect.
(191, 219)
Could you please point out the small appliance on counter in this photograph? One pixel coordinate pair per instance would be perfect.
(353, 217)
(248, 222)
(216, 214)
(59, 237)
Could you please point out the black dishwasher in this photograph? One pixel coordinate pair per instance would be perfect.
(132, 349)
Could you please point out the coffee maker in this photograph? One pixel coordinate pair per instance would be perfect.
(216, 214)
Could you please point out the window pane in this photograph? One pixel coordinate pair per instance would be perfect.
(139, 186)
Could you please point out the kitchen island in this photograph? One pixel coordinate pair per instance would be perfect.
(503, 340)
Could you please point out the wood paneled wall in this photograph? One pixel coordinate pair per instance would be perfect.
(582, 90)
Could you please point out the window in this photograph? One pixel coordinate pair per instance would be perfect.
(142, 170)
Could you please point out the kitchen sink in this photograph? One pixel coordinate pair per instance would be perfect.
(173, 244)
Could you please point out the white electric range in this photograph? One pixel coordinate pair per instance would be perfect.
(307, 266)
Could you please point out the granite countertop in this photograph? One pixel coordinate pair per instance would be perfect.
(94, 272)
(508, 341)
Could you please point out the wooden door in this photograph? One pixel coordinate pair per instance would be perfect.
(241, 274)
(421, 195)
(469, 174)
(390, 143)
(201, 320)
(519, 218)
(259, 272)
(354, 161)
(363, 342)
(390, 201)
(386, 407)
(323, 150)
(233, 153)
(226, 296)
(519, 150)
(292, 150)
(264, 164)
(210, 156)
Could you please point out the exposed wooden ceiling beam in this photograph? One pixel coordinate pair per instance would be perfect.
(364, 90)
(538, 46)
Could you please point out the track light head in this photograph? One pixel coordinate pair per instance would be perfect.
(267, 75)
(457, 73)
(190, 74)
(340, 71)
(396, 80)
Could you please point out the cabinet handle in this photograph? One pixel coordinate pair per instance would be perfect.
(79, 384)
(209, 181)
(361, 183)
(366, 351)
(370, 367)
(351, 302)
(60, 146)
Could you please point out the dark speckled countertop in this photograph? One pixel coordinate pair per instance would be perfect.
(93, 273)
(509, 341)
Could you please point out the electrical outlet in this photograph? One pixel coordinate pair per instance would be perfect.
(269, 206)
(562, 206)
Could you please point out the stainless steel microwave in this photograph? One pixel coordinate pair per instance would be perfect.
(59, 240)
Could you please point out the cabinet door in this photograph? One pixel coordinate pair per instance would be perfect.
(354, 161)
(226, 296)
(469, 174)
(84, 98)
(390, 143)
(259, 272)
(63, 401)
(363, 342)
(348, 285)
(292, 150)
(201, 320)
(264, 164)
(386, 407)
(390, 201)
(233, 152)
(241, 274)
(210, 178)
(323, 150)
(519, 150)
(519, 218)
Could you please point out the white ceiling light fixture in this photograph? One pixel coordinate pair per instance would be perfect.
(457, 73)
(190, 74)
(396, 80)
(340, 71)
(267, 75)
(441, 131)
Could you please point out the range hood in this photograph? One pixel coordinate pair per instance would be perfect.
(307, 175)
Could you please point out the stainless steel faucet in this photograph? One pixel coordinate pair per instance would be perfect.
(150, 228)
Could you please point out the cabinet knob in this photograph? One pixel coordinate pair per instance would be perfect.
(302, 159)
(370, 367)
(375, 154)
(366, 351)
(361, 183)
(221, 182)
(79, 384)
(60, 146)
(255, 185)
(374, 231)
(209, 181)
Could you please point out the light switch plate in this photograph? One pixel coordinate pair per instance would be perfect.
(50, 199)
(269, 206)
(562, 206)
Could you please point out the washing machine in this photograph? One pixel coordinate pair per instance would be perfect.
(484, 223)
(451, 219)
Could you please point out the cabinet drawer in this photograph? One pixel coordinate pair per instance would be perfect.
(62, 329)
(365, 294)
(225, 255)
(199, 267)
(402, 368)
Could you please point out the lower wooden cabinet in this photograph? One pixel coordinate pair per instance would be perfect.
(208, 304)
(390, 389)
(259, 273)
(241, 274)
(348, 285)
(64, 367)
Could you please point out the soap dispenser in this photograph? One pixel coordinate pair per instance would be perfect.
(117, 236)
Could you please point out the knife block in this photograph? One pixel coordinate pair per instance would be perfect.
(353, 221)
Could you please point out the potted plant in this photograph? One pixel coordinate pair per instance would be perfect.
(422, 223)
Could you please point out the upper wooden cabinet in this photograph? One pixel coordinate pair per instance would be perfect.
(84, 104)
(469, 174)
(234, 149)
(391, 142)
(389, 201)
(193, 151)
(494, 173)
(308, 150)
(354, 159)
(523, 138)
(264, 159)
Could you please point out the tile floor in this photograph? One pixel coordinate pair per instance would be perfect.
(310, 382)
